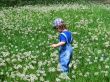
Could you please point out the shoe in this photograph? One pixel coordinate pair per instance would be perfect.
(64, 76)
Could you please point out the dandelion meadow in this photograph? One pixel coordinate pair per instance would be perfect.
(26, 34)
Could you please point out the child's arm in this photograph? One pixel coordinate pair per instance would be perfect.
(58, 44)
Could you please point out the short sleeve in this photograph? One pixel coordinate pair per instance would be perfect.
(62, 38)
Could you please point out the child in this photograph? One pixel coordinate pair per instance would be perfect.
(65, 40)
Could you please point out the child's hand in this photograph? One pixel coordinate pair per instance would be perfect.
(58, 44)
(54, 45)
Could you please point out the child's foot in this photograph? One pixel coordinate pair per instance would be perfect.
(64, 76)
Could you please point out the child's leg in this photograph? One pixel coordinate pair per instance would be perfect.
(65, 60)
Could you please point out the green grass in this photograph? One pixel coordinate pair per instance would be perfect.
(26, 34)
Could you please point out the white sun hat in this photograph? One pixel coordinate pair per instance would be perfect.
(57, 22)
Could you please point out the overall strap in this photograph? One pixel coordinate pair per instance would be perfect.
(65, 37)
(71, 38)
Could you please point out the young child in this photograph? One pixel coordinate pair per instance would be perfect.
(65, 40)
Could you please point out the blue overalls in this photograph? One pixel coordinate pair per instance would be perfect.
(65, 55)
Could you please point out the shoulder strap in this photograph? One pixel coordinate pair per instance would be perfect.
(65, 37)
(71, 38)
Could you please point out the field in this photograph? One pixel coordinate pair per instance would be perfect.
(26, 34)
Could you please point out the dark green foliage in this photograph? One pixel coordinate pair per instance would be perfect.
(33, 2)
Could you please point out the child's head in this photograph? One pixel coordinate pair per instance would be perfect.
(59, 25)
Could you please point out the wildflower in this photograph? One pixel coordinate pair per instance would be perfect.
(107, 66)
(102, 59)
(73, 72)
(52, 69)
(33, 77)
(41, 78)
(80, 74)
(86, 74)
(13, 60)
(2, 64)
(75, 66)
(32, 38)
(12, 75)
(95, 60)
(106, 73)
(94, 37)
(70, 65)
(99, 67)
(31, 66)
(96, 73)
(74, 33)
(46, 81)
(40, 63)
(107, 44)
(58, 80)
(107, 59)
(90, 62)
(99, 51)
(5, 54)
(76, 45)
(73, 76)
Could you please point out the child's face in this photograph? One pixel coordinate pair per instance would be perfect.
(59, 30)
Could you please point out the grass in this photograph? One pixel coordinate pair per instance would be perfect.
(26, 34)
